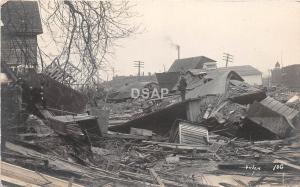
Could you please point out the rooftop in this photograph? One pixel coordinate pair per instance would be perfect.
(184, 64)
(21, 17)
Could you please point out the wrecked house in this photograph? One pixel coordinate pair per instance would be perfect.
(159, 121)
(206, 96)
(250, 74)
(274, 116)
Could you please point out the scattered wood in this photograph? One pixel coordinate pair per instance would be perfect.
(147, 178)
(140, 132)
(172, 159)
(55, 161)
(179, 146)
(25, 177)
(157, 178)
(124, 136)
(262, 150)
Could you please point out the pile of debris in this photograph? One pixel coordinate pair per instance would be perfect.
(136, 159)
(224, 128)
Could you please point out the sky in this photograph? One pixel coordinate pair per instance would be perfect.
(258, 33)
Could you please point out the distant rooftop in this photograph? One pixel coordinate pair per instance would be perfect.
(184, 64)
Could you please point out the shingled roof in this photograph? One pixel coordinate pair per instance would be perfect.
(184, 64)
(21, 17)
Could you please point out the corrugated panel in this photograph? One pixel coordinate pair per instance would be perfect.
(192, 134)
(280, 108)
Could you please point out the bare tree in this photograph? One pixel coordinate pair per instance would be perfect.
(85, 32)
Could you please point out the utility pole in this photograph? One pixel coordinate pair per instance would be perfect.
(227, 58)
(139, 64)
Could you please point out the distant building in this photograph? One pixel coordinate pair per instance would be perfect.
(250, 74)
(199, 62)
(288, 76)
(21, 25)
(276, 75)
(291, 76)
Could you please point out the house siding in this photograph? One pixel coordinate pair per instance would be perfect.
(19, 50)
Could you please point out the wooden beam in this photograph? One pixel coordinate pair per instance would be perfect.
(16, 181)
(25, 177)
(157, 178)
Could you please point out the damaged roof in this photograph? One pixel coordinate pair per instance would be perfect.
(242, 70)
(167, 79)
(280, 108)
(159, 121)
(197, 72)
(274, 116)
(21, 17)
(184, 64)
(216, 85)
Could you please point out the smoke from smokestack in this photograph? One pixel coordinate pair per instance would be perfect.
(174, 45)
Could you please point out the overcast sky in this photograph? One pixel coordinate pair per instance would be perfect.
(257, 33)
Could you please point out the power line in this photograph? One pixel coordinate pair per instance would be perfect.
(227, 58)
(139, 64)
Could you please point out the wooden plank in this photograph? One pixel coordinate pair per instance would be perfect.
(16, 174)
(157, 178)
(140, 132)
(179, 146)
(16, 181)
(53, 161)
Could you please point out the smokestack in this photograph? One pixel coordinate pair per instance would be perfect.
(178, 51)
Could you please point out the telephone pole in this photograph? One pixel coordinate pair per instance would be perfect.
(227, 58)
(139, 64)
